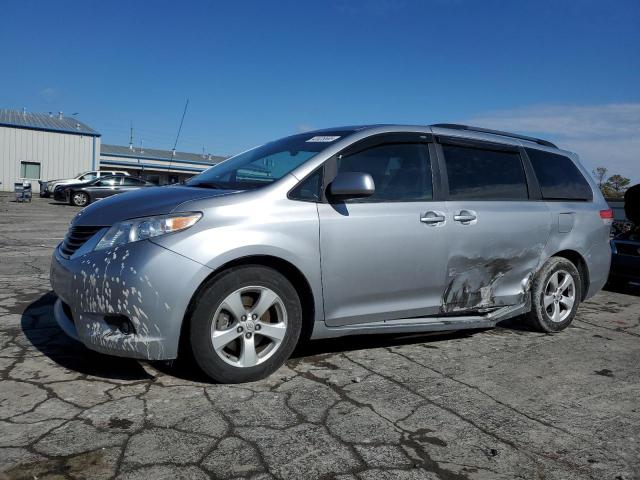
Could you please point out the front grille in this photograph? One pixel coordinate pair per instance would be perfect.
(628, 249)
(75, 238)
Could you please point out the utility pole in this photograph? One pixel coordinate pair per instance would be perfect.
(173, 150)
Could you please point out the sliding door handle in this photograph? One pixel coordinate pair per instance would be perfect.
(432, 218)
(465, 216)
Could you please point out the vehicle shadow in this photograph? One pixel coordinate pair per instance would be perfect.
(625, 288)
(42, 331)
(186, 368)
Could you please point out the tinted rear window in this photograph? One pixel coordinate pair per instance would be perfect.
(478, 174)
(558, 176)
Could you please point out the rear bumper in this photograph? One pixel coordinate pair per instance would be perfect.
(147, 284)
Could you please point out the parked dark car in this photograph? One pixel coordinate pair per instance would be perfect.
(82, 194)
(625, 261)
(625, 246)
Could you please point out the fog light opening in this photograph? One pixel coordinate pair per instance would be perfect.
(120, 323)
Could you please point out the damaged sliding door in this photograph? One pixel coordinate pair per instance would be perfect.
(497, 233)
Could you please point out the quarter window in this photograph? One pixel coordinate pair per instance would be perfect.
(558, 177)
(309, 189)
(401, 172)
(478, 174)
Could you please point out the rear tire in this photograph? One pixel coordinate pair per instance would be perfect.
(79, 199)
(555, 296)
(245, 324)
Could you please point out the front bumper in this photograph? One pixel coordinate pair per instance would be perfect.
(148, 284)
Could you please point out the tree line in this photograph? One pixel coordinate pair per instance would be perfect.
(612, 186)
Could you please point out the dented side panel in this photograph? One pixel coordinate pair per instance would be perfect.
(492, 260)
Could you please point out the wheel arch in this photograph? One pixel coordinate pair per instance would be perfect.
(284, 267)
(578, 260)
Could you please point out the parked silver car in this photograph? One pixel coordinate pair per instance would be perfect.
(353, 230)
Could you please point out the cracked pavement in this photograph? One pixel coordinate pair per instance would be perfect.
(501, 403)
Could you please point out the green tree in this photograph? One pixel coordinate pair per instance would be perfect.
(616, 185)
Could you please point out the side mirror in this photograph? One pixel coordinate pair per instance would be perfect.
(352, 185)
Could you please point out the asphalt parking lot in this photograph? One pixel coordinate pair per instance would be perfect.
(502, 403)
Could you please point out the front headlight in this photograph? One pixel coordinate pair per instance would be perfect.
(137, 229)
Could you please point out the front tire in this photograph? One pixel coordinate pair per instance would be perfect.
(245, 324)
(79, 199)
(555, 295)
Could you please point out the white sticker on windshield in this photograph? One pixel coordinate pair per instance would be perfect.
(325, 138)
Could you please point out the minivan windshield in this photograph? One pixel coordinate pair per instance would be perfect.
(265, 164)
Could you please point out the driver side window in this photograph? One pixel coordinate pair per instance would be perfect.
(401, 172)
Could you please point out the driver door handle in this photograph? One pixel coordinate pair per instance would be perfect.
(432, 218)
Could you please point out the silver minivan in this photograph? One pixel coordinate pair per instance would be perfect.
(352, 230)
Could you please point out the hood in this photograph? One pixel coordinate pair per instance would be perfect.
(141, 203)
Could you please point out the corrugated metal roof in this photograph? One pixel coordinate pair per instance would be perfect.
(44, 121)
(155, 154)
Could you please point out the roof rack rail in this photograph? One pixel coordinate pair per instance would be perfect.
(455, 126)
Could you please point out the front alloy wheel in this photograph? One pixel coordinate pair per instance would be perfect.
(249, 326)
(244, 324)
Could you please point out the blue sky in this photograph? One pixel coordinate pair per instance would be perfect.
(253, 71)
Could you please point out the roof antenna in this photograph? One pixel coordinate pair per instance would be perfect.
(173, 150)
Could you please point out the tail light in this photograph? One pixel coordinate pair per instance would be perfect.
(607, 216)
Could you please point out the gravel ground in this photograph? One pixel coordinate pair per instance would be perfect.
(501, 403)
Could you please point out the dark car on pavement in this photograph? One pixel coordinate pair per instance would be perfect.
(625, 261)
(625, 246)
(82, 194)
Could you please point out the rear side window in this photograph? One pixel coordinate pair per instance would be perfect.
(131, 182)
(108, 182)
(401, 172)
(478, 174)
(558, 176)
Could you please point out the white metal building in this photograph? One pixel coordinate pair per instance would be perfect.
(40, 146)
(36, 146)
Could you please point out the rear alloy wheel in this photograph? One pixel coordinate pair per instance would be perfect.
(245, 324)
(555, 295)
(79, 199)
